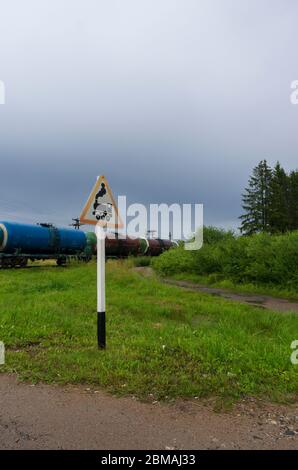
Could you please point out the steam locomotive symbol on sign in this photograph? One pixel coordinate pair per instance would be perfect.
(101, 208)
(102, 211)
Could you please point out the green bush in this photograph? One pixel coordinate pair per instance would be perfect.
(141, 261)
(260, 258)
(214, 235)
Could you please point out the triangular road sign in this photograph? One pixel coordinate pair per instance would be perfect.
(101, 207)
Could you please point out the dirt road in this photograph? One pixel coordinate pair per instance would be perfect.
(262, 301)
(55, 417)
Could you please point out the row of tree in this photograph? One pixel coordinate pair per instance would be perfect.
(270, 202)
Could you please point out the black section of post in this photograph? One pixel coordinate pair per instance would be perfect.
(101, 329)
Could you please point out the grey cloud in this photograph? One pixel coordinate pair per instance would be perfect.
(153, 94)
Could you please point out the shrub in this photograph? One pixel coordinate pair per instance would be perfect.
(260, 258)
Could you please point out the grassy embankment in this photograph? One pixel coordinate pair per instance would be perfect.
(162, 340)
(260, 264)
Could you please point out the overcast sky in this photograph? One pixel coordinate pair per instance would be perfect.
(172, 100)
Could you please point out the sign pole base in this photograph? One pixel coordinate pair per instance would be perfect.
(101, 330)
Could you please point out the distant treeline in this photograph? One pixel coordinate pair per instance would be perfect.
(270, 202)
(259, 259)
(269, 255)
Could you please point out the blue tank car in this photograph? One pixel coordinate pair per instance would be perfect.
(20, 242)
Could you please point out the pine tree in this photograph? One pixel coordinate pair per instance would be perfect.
(293, 200)
(279, 211)
(255, 200)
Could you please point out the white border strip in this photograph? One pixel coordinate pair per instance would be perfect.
(5, 238)
(147, 243)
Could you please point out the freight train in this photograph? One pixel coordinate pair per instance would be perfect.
(20, 243)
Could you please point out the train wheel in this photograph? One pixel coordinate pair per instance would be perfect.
(13, 262)
(23, 262)
(6, 263)
(61, 261)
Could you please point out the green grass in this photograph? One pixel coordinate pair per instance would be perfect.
(161, 340)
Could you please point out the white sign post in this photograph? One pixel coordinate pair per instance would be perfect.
(101, 211)
(101, 286)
